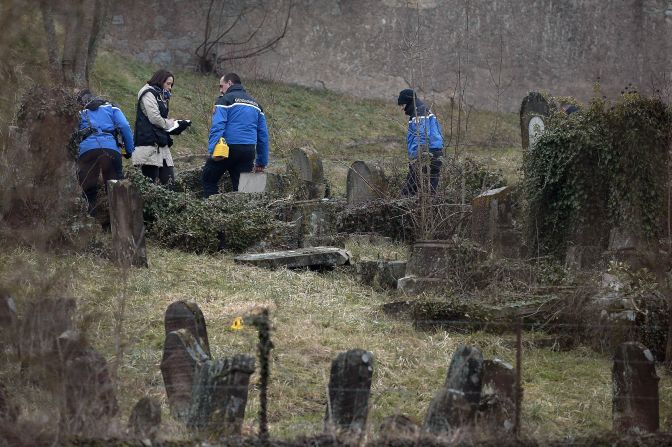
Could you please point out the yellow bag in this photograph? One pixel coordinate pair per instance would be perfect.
(221, 149)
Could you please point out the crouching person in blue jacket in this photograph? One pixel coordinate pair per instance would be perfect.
(99, 123)
(424, 135)
(240, 121)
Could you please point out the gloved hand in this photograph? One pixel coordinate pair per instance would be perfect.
(127, 156)
(181, 127)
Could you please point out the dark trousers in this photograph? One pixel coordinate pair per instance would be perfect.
(89, 167)
(241, 159)
(413, 179)
(164, 173)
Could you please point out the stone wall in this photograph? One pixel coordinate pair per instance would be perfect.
(371, 48)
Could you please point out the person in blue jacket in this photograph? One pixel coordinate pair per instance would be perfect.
(240, 120)
(424, 136)
(99, 124)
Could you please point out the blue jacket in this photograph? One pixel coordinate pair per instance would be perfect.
(104, 118)
(240, 120)
(423, 130)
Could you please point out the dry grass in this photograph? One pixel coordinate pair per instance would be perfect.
(315, 316)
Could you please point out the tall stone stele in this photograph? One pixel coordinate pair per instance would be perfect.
(127, 224)
(534, 112)
(349, 391)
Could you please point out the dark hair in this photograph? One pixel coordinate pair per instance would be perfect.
(160, 77)
(232, 77)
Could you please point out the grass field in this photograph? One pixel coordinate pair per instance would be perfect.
(315, 315)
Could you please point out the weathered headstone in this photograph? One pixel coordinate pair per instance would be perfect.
(187, 315)
(534, 111)
(492, 223)
(261, 182)
(219, 395)
(498, 394)
(316, 222)
(43, 322)
(127, 224)
(366, 182)
(90, 399)
(459, 398)
(349, 389)
(380, 274)
(306, 164)
(182, 355)
(315, 257)
(145, 419)
(635, 390)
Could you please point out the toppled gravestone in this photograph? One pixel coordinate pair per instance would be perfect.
(366, 182)
(182, 356)
(127, 224)
(458, 400)
(305, 165)
(314, 257)
(90, 399)
(492, 223)
(534, 111)
(44, 321)
(635, 390)
(349, 390)
(219, 395)
(145, 419)
(187, 315)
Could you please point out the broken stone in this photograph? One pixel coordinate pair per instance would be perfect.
(145, 419)
(498, 394)
(182, 355)
(187, 315)
(465, 373)
(306, 164)
(380, 274)
(314, 257)
(261, 182)
(349, 390)
(90, 399)
(317, 221)
(492, 223)
(534, 111)
(127, 224)
(366, 182)
(635, 390)
(220, 394)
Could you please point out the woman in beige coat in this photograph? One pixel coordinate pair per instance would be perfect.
(152, 140)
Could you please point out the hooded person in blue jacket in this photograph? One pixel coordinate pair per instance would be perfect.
(99, 124)
(424, 136)
(240, 120)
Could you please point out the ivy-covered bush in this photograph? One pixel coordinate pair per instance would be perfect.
(223, 221)
(602, 167)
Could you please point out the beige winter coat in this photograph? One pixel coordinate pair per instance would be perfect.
(152, 155)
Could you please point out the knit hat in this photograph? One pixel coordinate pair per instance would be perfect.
(406, 96)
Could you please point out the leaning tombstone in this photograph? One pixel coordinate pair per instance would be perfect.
(145, 419)
(305, 164)
(366, 182)
(182, 355)
(534, 112)
(187, 315)
(127, 224)
(635, 390)
(349, 389)
(89, 395)
(497, 395)
(457, 401)
(219, 395)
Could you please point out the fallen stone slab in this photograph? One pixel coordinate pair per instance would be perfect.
(314, 257)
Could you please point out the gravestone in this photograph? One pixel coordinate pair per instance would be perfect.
(306, 164)
(380, 274)
(219, 395)
(366, 182)
(635, 390)
(314, 257)
(127, 224)
(145, 419)
(349, 390)
(44, 321)
(187, 315)
(492, 223)
(182, 355)
(534, 112)
(90, 398)
(457, 401)
(498, 394)
(317, 222)
(261, 182)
